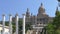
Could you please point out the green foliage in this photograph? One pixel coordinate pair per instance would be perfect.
(14, 27)
(54, 27)
(56, 20)
(50, 29)
(20, 26)
(6, 23)
(28, 26)
(58, 0)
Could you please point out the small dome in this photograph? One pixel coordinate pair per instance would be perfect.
(41, 7)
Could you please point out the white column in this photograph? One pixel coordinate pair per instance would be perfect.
(0, 32)
(42, 31)
(10, 24)
(17, 23)
(23, 23)
(37, 32)
(30, 32)
(3, 21)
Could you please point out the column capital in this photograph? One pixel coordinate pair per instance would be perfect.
(10, 15)
(3, 14)
(23, 14)
(16, 14)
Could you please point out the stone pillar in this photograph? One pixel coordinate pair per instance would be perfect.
(37, 32)
(17, 18)
(0, 32)
(23, 23)
(10, 24)
(43, 31)
(3, 21)
(30, 32)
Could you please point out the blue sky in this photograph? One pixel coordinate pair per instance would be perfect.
(20, 6)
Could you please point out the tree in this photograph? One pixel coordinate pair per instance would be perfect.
(28, 26)
(58, 0)
(54, 27)
(50, 29)
(20, 22)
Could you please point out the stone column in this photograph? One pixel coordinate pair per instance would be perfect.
(43, 32)
(37, 32)
(46, 32)
(3, 21)
(30, 32)
(17, 18)
(23, 23)
(10, 24)
(0, 32)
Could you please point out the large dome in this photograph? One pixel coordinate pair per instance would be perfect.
(41, 9)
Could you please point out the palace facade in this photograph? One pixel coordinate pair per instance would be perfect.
(38, 21)
(40, 18)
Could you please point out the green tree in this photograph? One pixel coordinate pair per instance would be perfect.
(54, 27)
(28, 26)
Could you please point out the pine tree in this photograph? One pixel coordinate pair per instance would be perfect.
(54, 27)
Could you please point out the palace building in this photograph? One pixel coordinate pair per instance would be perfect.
(40, 18)
(38, 21)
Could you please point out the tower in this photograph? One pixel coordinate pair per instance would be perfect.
(27, 13)
(41, 9)
(57, 11)
(41, 16)
(27, 16)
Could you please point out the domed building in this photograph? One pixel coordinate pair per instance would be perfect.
(38, 21)
(41, 18)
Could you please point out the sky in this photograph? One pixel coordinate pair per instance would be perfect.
(20, 6)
